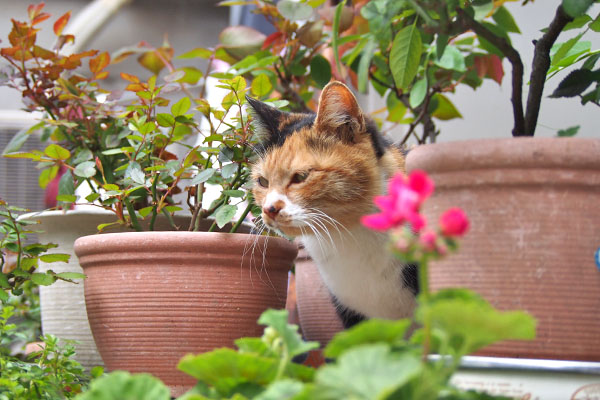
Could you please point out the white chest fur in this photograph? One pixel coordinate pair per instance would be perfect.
(360, 272)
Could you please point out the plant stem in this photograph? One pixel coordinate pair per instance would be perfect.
(242, 218)
(517, 67)
(132, 216)
(424, 298)
(539, 68)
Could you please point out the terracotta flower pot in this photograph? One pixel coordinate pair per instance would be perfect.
(153, 297)
(534, 206)
(62, 304)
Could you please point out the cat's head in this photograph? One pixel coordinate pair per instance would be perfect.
(312, 169)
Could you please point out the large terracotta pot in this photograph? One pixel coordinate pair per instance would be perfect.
(153, 297)
(534, 206)
(62, 304)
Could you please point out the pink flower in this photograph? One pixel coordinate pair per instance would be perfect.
(428, 240)
(402, 203)
(454, 222)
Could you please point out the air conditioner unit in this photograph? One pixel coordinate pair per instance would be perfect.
(19, 177)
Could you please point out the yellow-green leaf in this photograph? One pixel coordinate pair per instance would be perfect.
(57, 152)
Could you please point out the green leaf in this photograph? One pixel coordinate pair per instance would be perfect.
(86, 169)
(42, 279)
(181, 107)
(277, 320)
(471, 323)
(4, 281)
(66, 198)
(365, 63)
(368, 332)
(134, 174)
(482, 8)
(575, 8)
(405, 56)
(119, 385)
(234, 193)
(418, 93)
(595, 25)
(57, 152)
(203, 176)
(71, 275)
(66, 186)
(452, 59)
(367, 372)
(261, 86)
(57, 257)
(165, 120)
(47, 175)
(228, 170)
(19, 138)
(293, 10)
(281, 390)
(505, 20)
(197, 53)
(3, 296)
(445, 110)
(225, 214)
(320, 70)
(575, 83)
(564, 49)
(571, 131)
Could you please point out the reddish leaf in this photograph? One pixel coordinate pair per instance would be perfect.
(40, 18)
(100, 62)
(272, 39)
(495, 70)
(33, 10)
(130, 78)
(489, 66)
(60, 23)
(155, 60)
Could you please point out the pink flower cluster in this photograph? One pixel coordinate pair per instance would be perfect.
(402, 206)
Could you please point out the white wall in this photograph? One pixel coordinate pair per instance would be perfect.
(487, 112)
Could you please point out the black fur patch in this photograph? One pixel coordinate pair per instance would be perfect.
(349, 317)
(410, 277)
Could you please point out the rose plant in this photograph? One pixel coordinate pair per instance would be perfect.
(121, 149)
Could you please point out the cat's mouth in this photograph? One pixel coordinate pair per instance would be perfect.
(286, 224)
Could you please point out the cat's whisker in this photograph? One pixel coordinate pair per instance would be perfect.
(335, 223)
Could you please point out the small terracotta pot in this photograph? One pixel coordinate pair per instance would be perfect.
(318, 319)
(534, 207)
(153, 297)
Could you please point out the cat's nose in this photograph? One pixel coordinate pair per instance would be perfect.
(272, 210)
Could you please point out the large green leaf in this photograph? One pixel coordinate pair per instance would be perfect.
(470, 323)
(405, 56)
(452, 59)
(86, 169)
(225, 214)
(120, 385)
(56, 257)
(444, 109)
(320, 70)
(368, 332)
(57, 152)
(505, 20)
(367, 372)
(575, 8)
(42, 279)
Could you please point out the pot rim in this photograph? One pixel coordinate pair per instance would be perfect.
(517, 153)
(169, 239)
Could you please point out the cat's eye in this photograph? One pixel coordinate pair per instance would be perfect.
(262, 181)
(299, 177)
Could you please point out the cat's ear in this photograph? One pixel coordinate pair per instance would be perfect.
(339, 112)
(268, 118)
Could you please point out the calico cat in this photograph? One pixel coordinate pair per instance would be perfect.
(315, 176)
